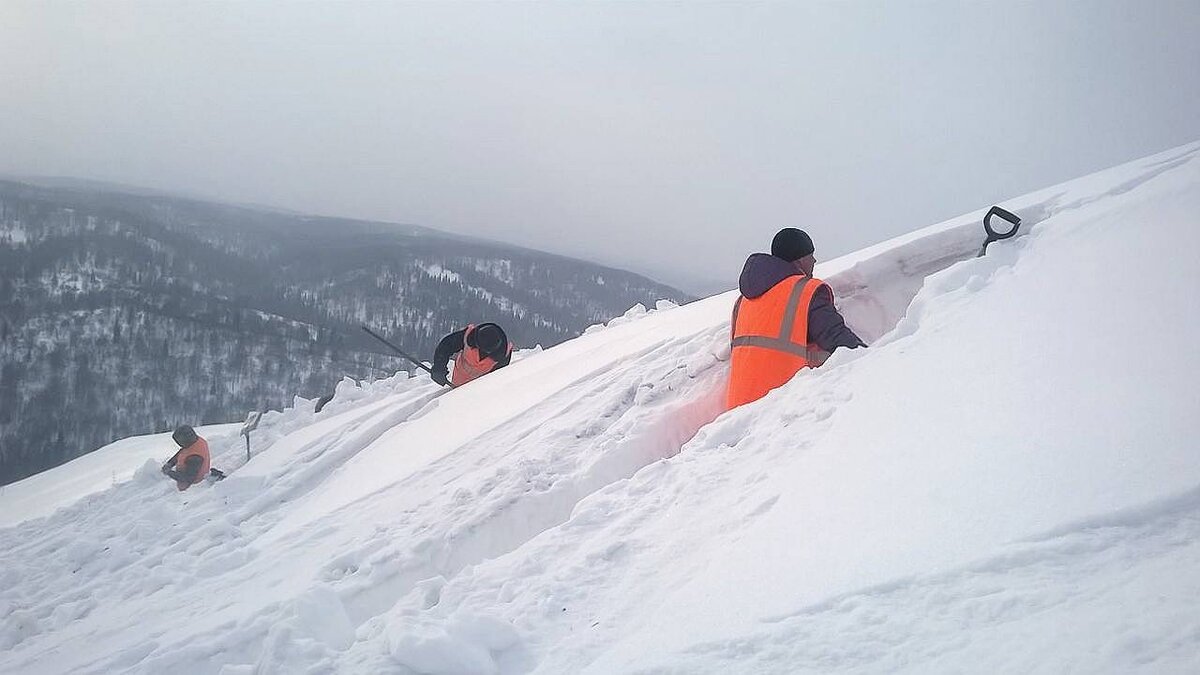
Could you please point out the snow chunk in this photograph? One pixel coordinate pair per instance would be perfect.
(664, 305)
(463, 643)
(321, 615)
(634, 313)
(149, 472)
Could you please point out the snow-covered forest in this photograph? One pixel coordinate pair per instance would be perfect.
(123, 314)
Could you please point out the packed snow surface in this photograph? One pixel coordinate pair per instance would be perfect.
(44, 493)
(1007, 480)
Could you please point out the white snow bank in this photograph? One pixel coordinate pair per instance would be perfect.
(1033, 395)
(41, 494)
(984, 438)
(1002, 482)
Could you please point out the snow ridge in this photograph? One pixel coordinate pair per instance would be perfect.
(986, 476)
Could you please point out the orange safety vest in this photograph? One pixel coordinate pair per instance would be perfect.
(470, 364)
(200, 447)
(769, 340)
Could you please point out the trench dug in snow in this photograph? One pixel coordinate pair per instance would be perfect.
(331, 540)
(641, 410)
(378, 506)
(455, 502)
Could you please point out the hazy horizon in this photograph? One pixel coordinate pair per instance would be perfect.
(666, 139)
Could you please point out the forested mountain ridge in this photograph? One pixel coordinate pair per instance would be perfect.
(130, 313)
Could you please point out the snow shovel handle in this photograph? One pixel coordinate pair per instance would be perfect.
(992, 235)
(399, 351)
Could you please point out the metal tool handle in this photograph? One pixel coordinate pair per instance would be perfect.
(399, 351)
(992, 235)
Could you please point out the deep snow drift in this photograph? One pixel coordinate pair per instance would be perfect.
(1007, 480)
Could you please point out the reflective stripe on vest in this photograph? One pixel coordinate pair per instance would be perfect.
(768, 340)
(797, 345)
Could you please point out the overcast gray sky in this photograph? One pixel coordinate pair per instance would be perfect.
(668, 138)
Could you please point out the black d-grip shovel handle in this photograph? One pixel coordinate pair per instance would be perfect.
(992, 234)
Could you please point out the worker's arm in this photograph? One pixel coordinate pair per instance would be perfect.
(449, 346)
(189, 472)
(504, 360)
(169, 465)
(826, 327)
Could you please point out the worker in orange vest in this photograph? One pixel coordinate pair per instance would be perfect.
(784, 320)
(192, 463)
(480, 349)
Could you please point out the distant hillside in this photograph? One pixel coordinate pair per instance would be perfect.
(130, 313)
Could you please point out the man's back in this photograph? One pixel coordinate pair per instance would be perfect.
(783, 322)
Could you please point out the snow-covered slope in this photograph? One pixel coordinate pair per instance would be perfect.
(1007, 480)
(44, 493)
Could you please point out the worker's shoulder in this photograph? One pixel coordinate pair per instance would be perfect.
(822, 294)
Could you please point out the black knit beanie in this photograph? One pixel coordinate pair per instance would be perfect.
(184, 436)
(489, 339)
(791, 244)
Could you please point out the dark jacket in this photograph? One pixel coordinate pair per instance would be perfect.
(826, 327)
(186, 473)
(453, 344)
